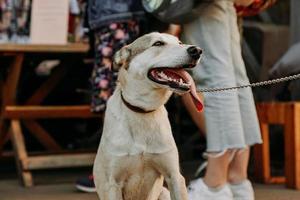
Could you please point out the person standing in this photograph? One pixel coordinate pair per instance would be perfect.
(115, 23)
(231, 123)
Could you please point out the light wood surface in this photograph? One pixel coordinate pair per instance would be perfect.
(48, 112)
(36, 48)
(59, 161)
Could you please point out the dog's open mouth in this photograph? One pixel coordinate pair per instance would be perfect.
(177, 79)
(171, 77)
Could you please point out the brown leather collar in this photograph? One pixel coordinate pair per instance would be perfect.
(135, 108)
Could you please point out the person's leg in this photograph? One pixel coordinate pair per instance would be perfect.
(238, 167)
(237, 171)
(109, 39)
(240, 186)
(217, 168)
(214, 184)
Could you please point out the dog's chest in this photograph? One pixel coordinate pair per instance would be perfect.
(134, 135)
(138, 177)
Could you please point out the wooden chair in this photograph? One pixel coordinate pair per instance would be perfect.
(288, 115)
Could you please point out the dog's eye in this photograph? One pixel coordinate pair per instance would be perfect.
(158, 43)
(180, 43)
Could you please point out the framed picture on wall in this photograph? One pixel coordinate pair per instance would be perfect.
(49, 22)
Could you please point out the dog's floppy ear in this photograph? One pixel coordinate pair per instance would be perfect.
(121, 58)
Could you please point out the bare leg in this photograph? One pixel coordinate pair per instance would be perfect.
(237, 171)
(198, 117)
(217, 169)
(240, 186)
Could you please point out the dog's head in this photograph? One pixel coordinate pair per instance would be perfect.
(159, 60)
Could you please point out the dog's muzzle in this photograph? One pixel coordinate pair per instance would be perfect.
(177, 79)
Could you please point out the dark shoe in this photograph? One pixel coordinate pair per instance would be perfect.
(86, 184)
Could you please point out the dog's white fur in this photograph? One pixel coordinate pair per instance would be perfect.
(137, 150)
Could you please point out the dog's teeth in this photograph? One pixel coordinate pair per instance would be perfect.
(163, 75)
(182, 83)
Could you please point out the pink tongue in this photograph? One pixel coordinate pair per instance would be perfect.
(196, 99)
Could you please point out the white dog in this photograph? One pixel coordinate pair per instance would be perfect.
(137, 150)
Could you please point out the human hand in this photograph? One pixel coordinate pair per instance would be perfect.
(174, 30)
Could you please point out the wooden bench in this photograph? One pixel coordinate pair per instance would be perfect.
(12, 114)
(288, 115)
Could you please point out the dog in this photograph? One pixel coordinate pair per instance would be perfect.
(137, 152)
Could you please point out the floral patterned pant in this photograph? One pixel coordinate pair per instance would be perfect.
(109, 39)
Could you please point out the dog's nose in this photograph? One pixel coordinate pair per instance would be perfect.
(194, 52)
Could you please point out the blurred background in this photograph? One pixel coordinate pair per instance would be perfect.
(48, 136)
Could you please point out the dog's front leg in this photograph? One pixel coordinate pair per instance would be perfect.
(176, 185)
(168, 165)
(113, 191)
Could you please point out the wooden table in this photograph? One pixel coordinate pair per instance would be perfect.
(13, 114)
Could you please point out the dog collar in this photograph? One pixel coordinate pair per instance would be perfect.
(135, 108)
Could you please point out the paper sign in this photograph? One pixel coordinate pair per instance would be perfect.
(49, 22)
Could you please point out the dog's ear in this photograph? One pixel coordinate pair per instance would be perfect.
(121, 58)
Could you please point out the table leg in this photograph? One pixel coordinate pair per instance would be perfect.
(292, 141)
(9, 98)
(262, 167)
(20, 153)
(9, 94)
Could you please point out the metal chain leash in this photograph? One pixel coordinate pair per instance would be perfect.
(262, 83)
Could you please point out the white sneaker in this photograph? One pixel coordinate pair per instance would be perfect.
(242, 191)
(198, 190)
